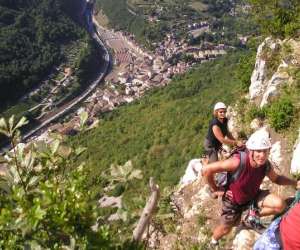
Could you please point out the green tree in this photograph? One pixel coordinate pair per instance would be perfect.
(32, 35)
(279, 18)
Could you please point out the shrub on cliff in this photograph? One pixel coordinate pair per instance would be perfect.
(281, 114)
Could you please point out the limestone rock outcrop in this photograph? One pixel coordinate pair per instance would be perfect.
(265, 84)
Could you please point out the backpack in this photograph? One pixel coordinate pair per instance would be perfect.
(224, 179)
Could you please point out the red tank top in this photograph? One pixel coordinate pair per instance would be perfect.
(246, 187)
(290, 229)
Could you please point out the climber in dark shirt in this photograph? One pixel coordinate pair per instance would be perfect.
(218, 133)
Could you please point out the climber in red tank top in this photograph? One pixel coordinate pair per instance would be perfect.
(245, 189)
(290, 229)
(241, 191)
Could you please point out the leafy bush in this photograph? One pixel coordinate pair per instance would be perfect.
(281, 114)
(45, 200)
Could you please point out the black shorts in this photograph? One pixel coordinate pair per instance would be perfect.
(210, 151)
(232, 212)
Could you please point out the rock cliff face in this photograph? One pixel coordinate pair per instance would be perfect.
(192, 200)
(273, 60)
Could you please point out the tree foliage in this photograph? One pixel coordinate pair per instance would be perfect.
(45, 199)
(279, 18)
(219, 7)
(31, 34)
(88, 63)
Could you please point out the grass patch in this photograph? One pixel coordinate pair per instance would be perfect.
(198, 6)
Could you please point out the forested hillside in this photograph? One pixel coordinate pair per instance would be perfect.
(32, 34)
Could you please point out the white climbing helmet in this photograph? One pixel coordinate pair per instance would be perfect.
(219, 105)
(259, 140)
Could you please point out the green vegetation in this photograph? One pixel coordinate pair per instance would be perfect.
(279, 18)
(164, 127)
(33, 39)
(45, 200)
(83, 56)
(245, 68)
(218, 8)
(256, 112)
(121, 18)
(281, 113)
(48, 197)
(18, 109)
(42, 204)
(226, 18)
(87, 63)
(198, 6)
(273, 59)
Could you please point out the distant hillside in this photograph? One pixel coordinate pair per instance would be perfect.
(121, 18)
(150, 21)
(31, 37)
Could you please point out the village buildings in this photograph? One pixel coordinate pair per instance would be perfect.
(136, 71)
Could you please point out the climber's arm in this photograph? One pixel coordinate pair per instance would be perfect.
(209, 170)
(282, 180)
(221, 138)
